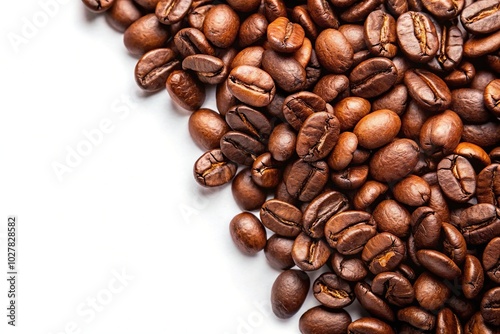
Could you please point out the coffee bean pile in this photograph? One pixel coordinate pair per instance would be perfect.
(374, 124)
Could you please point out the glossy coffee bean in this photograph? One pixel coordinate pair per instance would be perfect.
(282, 142)
(285, 36)
(392, 217)
(334, 52)
(282, 218)
(477, 325)
(152, 70)
(373, 77)
(221, 25)
(246, 193)
(482, 45)
(247, 233)
(278, 252)
(395, 160)
(469, 104)
(343, 151)
(395, 99)
(412, 191)
(369, 195)
(285, 70)
(348, 231)
(289, 292)
(190, 41)
(332, 86)
(491, 260)
(439, 264)
(380, 34)
(317, 136)
(332, 291)
(349, 268)
(122, 14)
(274, 9)
(492, 96)
(373, 303)
(428, 90)
(482, 17)
(306, 180)
(322, 14)
(98, 6)
(489, 307)
(426, 227)
(250, 121)
(309, 254)
(206, 128)
(241, 148)
(473, 277)
(320, 320)
(185, 90)
(251, 85)
(484, 135)
(196, 16)
(480, 223)
(475, 154)
(417, 318)
(394, 287)
(266, 172)
(377, 128)
(441, 133)
(172, 11)
(208, 69)
(447, 322)
(430, 291)
(367, 325)
(417, 36)
(144, 35)
(213, 169)
(320, 210)
(350, 178)
(457, 178)
(383, 252)
(454, 245)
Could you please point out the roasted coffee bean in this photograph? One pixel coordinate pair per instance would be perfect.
(241, 148)
(278, 252)
(439, 264)
(250, 121)
(172, 11)
(300, 15)
(490, 309)
(454, 245)
(334, 52)
(431, 292)
(482, 79)
(289, 292)
(206, 128)
(372, 303)
(247, 233)
(299, 106)
(480, 223)
(484, 135)
(197, 16)
(213, 169)
(373, 77)
(153, 69)
(444, 9)
(349, 231)
(476, 325)
(320, 320)
(492, 96)
(253, 30)
(251, 85)
(417, 318)
(367, 325)
(462, 307)
(475, 154)
(331, 86)
(281, 218)
(185, 90)
(348, 268)
(320, 210)
(473, 277)
(461, 76)
(491, 260)
(354, 35)
(457, 178)
(287, 72)
(221, 25)
(350, 178)
(225, 99)
(244, 5)
(395, 160)
(395, 99)
(481, 46)
(482, 17)
(392, 217)
(394, 287)
(383, 252)
(360, 10)
(317, 136)
(428, 90)
(251, 55)
(246, 193)
(350, 111)
(412, 191)
(304, 53)
(488, 185)
(447, 322)
(322, 14)
(122, 14)
(332, 291)
(282, 142)
(209, 69)
(469, 105)
(417, 36)
(306, 179)
(99, 6)
(285, 36)
(342, 153)
(190, 41)
(413, 119)
(450, 50)
(144, 35)
(377, 128)
(426, 227)
(441, 133)
(266, 171)
(380, 34)
(368, 195)
(274, 9)
(309, 254)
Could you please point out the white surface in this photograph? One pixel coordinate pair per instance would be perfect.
(131, 204)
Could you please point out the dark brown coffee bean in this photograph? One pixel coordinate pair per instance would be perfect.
(172, 11)
(225, 100)
(206, 128)
(350, 178)
(383, 252)
(320, 210)
(412, 191)
(249, 56)
(480, 46)
(309, 254)
(475, 154)
(454, 245)
(317, 136)
(251, 85)
(480, 223)
(431, 292)
(285, 36)
(241, 148)
(426, 227)
(247, 233)
(250, 121)
(144, 35)
(274, 9)
(417, 36)
(392, 217)
(476, 325)
(348, 268)
(377, 128)
(441, 134)
(342, 153)
(278, 252)
(349, 231)
(320, 320)
(380, 34)
(354, 33)
(428, 90)
(244, 5)
(153, 69)
(395, 99)
(197, 16)
(488, 185)
(282, 142)
(367, 325)
(266, 171)
(350, 111)
(492, 96)
(322, 14)
(469, 105)
(457, 178)
(447, 322)
(369, 195)
(253, 30)
(444, 9)
(473, 277)
(484, 135)
(372, 303)
(98, 6)
(190, 41)
(332, 291)
(450, 50)
(334, 52)
(491, 260)
(413, 119)
(185, 90)
(331, 86)
(482, 17)
(246, 193)
(490, 309)
(306, 180)
(221, 25)
(394, 287)
(461, 76)
(373, 77)
(281, 218)
(395, 160)
(209, 69)
(285, 70)
(299, 106)
(360, 10)
(417, 318)
(437, 202)
(122, 14)
(439, 264)
(289, 292)
(213, 169)
(462, 307)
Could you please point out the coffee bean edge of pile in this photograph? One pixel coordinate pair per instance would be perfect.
(374, 125)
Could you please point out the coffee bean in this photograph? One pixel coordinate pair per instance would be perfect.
(478, 157)
(281, 218)
(469, 105)
(367, 325)
(403, 156)
(444, 9)
(250, 121)
(482, 17)
(274, 9)
(447, 322)
(394, 287)
(172, 11)
(244, 5)
(428, 90)
(439, 264)
(221, 25)
(454, 245)
(206, 128)
(349, 231)
(332, 291)
(320, 320)
(380, 34)
(489, 307)
(209, 69)
(98, 6)
(461, 76)
(480, 223)
(451, 49)
(369, 195)
(317, 136)
(185, 90)
(251, 55)
(431, 292)
(491, 260)
(417, 318)
(241, 148)
(122, 14)
(488, 185)
(213, 169)
(349, 268)
(484, 135)
(251, 85)
(285, 36)
(426, 227)
(350, 178)
(285, 70)
(225, 99)
(373, 77)
(395, 99)
(322, 14)
(412, 191)
(247, 233)
(392, 217)
(190, 41)
(377, 128)
(144, 35)
(289, 292)
(153, 69)
(309, 254)
(306, 180)
(462, 307)
(373, 303)
(492, 96)
(473, 277)
(334, 52)
(252, 30)
(320, 210)
(247, 194)
(342, 153)
(383, 252)
(457, 178)
(266, 171)
(417, 36)
(332, 86)
(440, 134)
(481, 46)
(278, 252)
(197, 16)
(360, 10)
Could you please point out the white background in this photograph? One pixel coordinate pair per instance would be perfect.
(129, 207)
